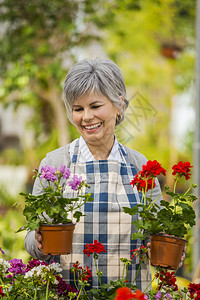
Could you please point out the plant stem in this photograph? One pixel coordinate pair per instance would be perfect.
(75, 282)
(123, 271)
(149, 284)
(35, 294)
(85, 294)
(187, 190)
(145, 192)
(155, 200)
(79, 293)
(175, 201)
(138, 270)
(126, 273)
(99, 277)
(175, 184)
(47, 289)
(152, 187)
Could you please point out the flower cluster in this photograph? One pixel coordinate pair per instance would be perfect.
(122, 289)
(141, 252)
(166, 279)
(194, 290)
(169, 217)
(95, 247)
(83, 274)
(37, 279)
(51, 206)
(53, 174)
(182, 169)
(124, 293)
(145, 180)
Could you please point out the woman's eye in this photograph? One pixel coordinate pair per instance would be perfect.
(96, 106)
(78, 109)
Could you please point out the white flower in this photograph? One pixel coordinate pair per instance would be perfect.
(56, 282)
(4, 265)
(28, 274)
(56, 267)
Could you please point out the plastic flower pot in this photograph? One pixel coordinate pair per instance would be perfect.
(57, 239)
(166, 251)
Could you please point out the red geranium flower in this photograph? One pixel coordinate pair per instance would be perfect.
(77, 266)
(182, 169)
(141, 252)
(142, 183)
(167, 278)
(97, 247)
(152, 169)
(1, 292)
(139, 295)
(123, 293)
(145, 180)
(194, 290)
(85, 274)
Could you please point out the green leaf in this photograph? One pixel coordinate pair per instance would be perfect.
(131, 211)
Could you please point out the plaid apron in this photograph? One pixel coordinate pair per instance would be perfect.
(105, 221)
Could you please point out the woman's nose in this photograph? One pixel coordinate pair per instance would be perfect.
(87, 115)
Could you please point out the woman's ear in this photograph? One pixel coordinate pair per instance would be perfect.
(122, 98)
(122, 101)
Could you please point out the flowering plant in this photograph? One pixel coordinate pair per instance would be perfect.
(122, 289)
(51, 207)
(36, 280)
(108, 290)
(42, 281)
(171, 218)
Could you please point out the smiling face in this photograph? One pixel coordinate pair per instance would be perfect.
(95, 118)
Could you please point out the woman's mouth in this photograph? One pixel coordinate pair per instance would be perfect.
(92, 127)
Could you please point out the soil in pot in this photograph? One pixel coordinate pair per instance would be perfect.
(166, 251)
(57, 239)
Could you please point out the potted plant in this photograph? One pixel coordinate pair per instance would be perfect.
(167, 223)
(51, 212)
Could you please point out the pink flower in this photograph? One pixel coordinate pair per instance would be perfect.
(34, 263)
(65, 171)
(75, 182)
(48, 173)
(18, 267)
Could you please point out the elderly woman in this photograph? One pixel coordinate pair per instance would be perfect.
(95, 98)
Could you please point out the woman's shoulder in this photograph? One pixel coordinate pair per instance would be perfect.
(59, 156)
(136, 158)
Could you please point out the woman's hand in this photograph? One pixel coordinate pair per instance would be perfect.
(38, 239)
(182, 257)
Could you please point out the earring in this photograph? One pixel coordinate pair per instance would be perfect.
(119, 118)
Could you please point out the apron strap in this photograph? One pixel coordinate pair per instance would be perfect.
(76, 152)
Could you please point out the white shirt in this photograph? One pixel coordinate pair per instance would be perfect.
(86, 155)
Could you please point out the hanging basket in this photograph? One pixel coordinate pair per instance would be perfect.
(166, 251)
(57, 239)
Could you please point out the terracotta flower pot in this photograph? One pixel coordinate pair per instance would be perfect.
(57, 239)
(166, 251)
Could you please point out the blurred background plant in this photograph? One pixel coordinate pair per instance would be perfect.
(153, 42)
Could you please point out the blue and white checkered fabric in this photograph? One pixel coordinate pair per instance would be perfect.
(105, 221)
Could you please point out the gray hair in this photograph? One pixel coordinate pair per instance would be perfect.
(100, 75)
